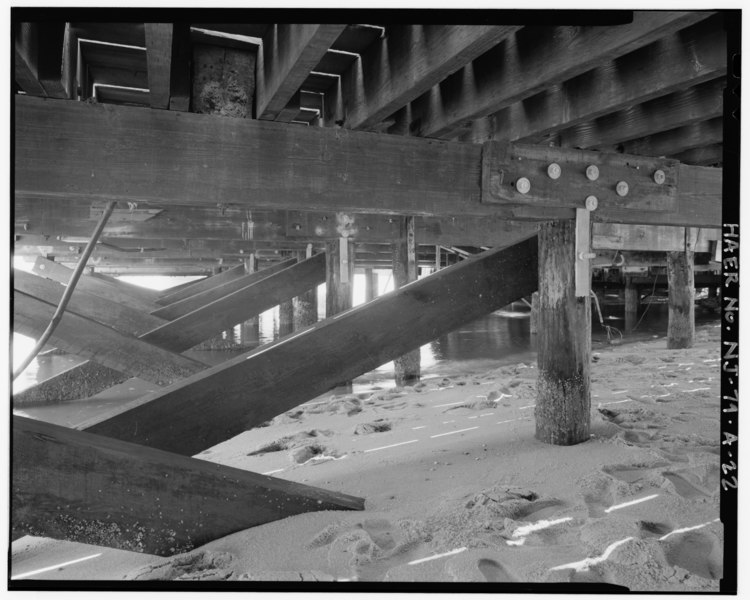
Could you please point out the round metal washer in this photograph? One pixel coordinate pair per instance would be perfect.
(523, 185)
(554, 171)
(592, 172)
(660, 176)
(622, 188)
(591, 203)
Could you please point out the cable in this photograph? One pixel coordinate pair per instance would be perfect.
(653, 289)
(68, 290)
(608, 328)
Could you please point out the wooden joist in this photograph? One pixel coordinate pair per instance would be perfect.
(168, 57)
(412, 58)
(289, 52)
(75, 486)
(196, 287)
(671, 64)
(246, 391)
(135, 299)
(180, 308)
(44, 58)
(706, 155)
(190, 329)
(184, 158)
(680, 108)
(681, 139)
(610, 236)
(104, 345)
(532, 63)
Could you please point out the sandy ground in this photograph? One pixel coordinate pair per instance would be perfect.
(458, 489)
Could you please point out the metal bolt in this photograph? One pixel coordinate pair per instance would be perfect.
(554, 171)
(622, 188)
(591, 203)
(297, 226)
(586, 255)
(592, 172)
(523, 185)
(659, 176)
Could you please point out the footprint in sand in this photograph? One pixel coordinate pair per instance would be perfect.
(696, 551)
(201, 565)
(651, 529)
(290, 441)
(377, 426)
(493, 571)
(683, 487)
(632, 473)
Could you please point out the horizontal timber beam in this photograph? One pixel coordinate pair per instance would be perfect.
(80, 381)
(75, 486)
(268, 165)
(243, 392)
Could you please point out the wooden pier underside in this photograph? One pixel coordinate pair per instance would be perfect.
(75, 486)
(246, 391)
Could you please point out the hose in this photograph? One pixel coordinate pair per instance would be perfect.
(68, 290)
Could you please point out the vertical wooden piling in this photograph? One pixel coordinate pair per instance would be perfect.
(404, 252)
(306, 305)
(564, 343)
(371, 285)
(534, 316)
(339, 282)
(250, 329)
(680, 277)
(339, 275)
(631, 304)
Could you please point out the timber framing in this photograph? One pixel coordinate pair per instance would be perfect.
(404, 175)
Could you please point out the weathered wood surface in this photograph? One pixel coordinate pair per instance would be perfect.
(563, 404)
(681, 139)
(196, 287)
(632, 300)
(305, 304)
(107, 312)
(611, 236)
(93, 285)
(186, 331)
(94, 341)
(201, 299)
(673, 110)
(168, 67)
(270, 165)
(289, 52)
(45, 58)
(412, 58)
(252, 388)
(672, 63)
(81, 381)
(404, 249)
(681, 278)
(75, 486)
(532, 63)
(340, 256)
(129, 289)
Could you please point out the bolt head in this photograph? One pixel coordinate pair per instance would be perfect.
(592, 172)
(554, 171)
(659, 176)
(523, 185)
(622, 188)
(591, 203)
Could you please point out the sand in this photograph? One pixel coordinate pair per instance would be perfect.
(457, 488)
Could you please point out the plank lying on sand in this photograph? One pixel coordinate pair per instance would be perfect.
(182, 307)
(104, 345)
(199, 325)
(93, 285)
(243, 392)
(86, 488)
(195, 287)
